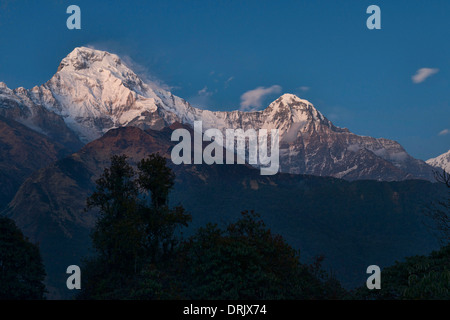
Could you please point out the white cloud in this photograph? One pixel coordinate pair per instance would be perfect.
(227, 83)
(423, 73)
(444, 132)
(204, 92)
(252, 99)
(202, 99)
(304, 88)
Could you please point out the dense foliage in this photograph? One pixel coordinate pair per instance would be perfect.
(439, 212)
(246, 261)
(421, 277)
(418, 277)
(136, 229)
(21, 270)
(140, 256)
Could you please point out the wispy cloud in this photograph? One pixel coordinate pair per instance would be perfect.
(444, 132)
(204, 92)
(304, 88)
(142, 71)
(227, 82)
(251, 100)
(203, 98)
(423, 73)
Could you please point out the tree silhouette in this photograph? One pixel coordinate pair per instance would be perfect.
(417, 277)
(156, 180)
(440, 211)
(246, 261)
(21, 270)
(134, 236)
(140, 256)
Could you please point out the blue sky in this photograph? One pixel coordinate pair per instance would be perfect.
(212, 52)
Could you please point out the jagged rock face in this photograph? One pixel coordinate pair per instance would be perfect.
(318, 147)
(441, 162)
(21, 105)
(94, 91)
(22, 152)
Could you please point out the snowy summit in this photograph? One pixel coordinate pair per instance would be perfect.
(442, 161)
(94, 91)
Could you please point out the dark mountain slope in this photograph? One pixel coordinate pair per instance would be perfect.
(354, 224)
(23, 151)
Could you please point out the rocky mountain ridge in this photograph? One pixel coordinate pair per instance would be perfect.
(94, 91)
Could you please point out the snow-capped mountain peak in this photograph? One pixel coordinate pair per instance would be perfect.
(289, 105)
(94, 91)
(83, 57)
(100, 66)
(289, 98)
(442, 161)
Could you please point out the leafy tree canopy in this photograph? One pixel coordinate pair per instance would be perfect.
(246, 261)
(21, 270)
(140, 256)
(418, 277)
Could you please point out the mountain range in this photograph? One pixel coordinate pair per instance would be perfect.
(353, 224)
(441, 162)
(357, 200)
(94, 91)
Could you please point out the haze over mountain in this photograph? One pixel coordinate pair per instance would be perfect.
(94, 91)
(354, 224)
